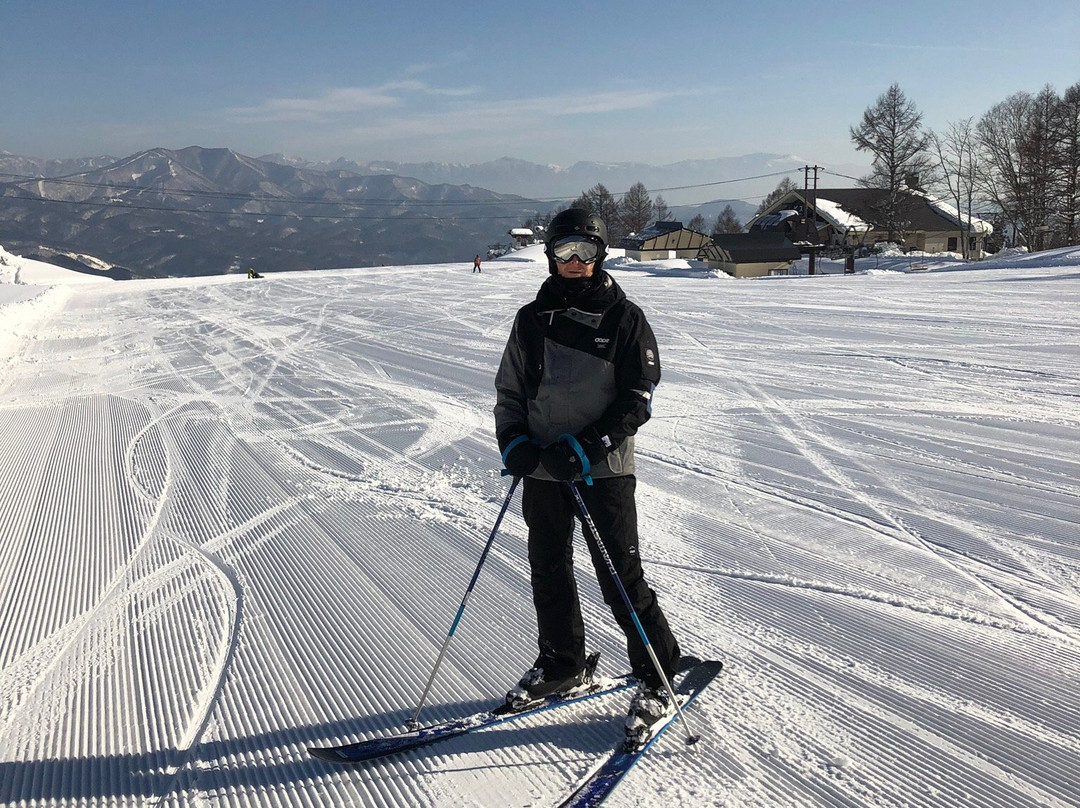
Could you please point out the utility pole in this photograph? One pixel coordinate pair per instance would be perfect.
(810, 213)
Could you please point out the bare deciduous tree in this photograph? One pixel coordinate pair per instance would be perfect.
(636, 209)
(1069, 141)
(599, 200)
(1020, 152)
(727, 222)
(956, 154)
(781, 190)
(892, 131)
(660, 207)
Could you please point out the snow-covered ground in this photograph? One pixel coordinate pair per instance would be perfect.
(238, 517)
(15, 269)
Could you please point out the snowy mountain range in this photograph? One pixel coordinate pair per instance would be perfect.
(199, 211)
(512, 176)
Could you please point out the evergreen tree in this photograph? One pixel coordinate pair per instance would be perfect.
(697, 224)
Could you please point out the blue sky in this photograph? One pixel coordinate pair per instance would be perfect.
(474, 81)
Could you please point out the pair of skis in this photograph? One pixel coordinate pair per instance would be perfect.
(592, 791)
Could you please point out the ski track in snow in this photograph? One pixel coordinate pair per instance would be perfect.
(239, 518)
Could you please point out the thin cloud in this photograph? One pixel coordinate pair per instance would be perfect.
(944, 47)
(513, 115)
(341, 101)
(411, 111)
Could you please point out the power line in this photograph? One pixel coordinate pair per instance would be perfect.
(22, 179)
(121, 205)
(718, 182)
(838, 174)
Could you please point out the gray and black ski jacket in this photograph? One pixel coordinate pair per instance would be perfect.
(571, 363)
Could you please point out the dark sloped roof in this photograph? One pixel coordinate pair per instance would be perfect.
(664, 236)
(869, 205)
(749, 248)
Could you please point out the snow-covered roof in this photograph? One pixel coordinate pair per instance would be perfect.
(952, 214)
(840, 218)
(854, 209)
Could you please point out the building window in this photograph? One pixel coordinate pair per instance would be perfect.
(972, 244)
(952, 244)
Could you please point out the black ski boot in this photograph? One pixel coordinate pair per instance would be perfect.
(650, 709)
(536, 685)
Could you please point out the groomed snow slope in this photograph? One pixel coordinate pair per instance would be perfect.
(238, 517)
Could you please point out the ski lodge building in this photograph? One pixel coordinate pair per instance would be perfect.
(850, 218)
(750, 255)
(522, 236)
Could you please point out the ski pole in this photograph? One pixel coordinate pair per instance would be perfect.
(691, 738)
(413, 723)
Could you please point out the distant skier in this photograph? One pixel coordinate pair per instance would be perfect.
(476, 264)
(575, 383)
(252, 273)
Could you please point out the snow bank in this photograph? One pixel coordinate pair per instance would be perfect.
(15, 269)
(22, 307)
(1020, 257)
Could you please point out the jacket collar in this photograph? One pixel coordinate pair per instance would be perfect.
(596, 299)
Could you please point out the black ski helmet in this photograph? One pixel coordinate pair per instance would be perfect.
(576, 222)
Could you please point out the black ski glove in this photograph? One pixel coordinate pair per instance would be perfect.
(561, 460)
(596, 446)
(521, 457)
(571, 456)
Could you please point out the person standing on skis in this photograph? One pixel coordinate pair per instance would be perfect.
(476, 264)
(574, 385)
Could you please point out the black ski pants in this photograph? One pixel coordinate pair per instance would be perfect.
(550, 511)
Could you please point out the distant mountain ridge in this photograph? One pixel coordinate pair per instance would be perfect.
(200, 211)
(197, 210)
(38, 167)
(512, 176)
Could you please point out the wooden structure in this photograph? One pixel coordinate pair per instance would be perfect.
(663, 240)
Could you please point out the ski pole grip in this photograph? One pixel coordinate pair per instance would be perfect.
(586, 466)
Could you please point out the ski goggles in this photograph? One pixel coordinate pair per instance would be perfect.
(585, 249)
